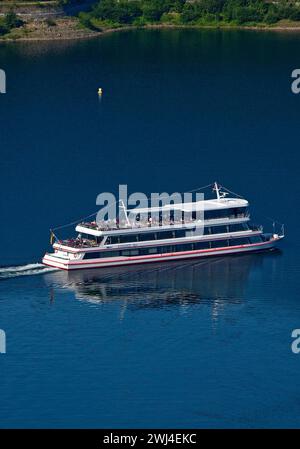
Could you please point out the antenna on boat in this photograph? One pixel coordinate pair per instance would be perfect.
(219, 192)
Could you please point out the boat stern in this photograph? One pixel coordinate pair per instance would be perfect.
(51, 260)
(62, 258)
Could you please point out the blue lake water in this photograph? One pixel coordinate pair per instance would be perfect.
(199, 344)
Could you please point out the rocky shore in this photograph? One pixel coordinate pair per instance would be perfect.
(59, 27)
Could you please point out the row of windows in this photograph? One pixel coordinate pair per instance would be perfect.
(224, 213)
(225, 229)
(174, 248)
(142, 237)
(173, 234)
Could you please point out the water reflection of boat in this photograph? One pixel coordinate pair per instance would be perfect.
(221, 281)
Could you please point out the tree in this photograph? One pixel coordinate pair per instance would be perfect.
(245, 10)
(11, 20)
(272, 15)
(230, 7)
(106, 10)
(85, 20)
(178, 5)
(3, 27)
(128, 11)
(212, 6)
(190, 13)
(154, 9)
(295, 14)
(174, 5)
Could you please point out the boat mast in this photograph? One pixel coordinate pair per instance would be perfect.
(122, 205)
(216, 188)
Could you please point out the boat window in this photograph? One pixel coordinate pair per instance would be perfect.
(201, 245)
(145, 251)
(218, 243)
(179, 233)
(185, 247)
(212, 214)
(222, 229)
(236, 242)
(225, 213)
(236, 227)
(128, 238)
(110, 254)
(255, 239)
(152, 250)
(241, 211)
(219, 229)
(112, 239)
(163, 249)
(165, 235)
(92, 255)
(97, 255)
(130, 252)
(147, 236)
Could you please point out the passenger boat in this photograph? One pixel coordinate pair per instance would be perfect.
(225, 225)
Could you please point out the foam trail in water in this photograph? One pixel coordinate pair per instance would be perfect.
(24, 270)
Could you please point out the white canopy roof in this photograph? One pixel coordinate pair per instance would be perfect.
(215, 204)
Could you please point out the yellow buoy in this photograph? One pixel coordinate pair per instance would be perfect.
(100, 91)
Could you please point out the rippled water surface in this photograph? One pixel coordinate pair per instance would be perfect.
(200, 344)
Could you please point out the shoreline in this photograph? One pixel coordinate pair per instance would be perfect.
(96, 34)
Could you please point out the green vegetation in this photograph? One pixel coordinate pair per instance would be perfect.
(9, 22)
(108, 14)
(50, 22)
(114, 13)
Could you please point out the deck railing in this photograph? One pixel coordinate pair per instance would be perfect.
(111, 225)
(78, 243)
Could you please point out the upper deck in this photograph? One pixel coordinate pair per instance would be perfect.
(216, 211)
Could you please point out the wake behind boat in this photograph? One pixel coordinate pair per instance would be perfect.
(223, 229)
(30, 269)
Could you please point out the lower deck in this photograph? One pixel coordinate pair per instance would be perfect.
(104, 259)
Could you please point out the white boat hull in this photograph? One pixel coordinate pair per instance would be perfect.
(66, 264)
